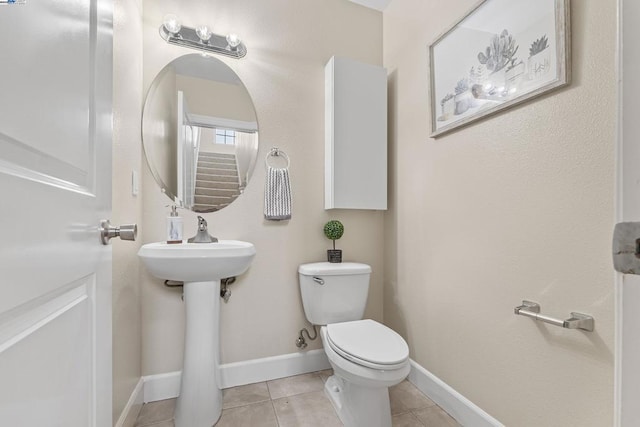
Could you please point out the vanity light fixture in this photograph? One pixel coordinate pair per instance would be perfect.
(201, 37)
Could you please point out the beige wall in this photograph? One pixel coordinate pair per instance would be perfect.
(288, 43)
(518, 206)
(161, 128)
(127, 157)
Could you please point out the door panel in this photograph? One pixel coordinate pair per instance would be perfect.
(59, 80)
(628, 374)
(55, 183)
(52, 337)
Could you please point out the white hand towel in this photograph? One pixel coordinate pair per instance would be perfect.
(277, 194)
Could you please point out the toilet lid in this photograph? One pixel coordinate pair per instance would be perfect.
(368, 343)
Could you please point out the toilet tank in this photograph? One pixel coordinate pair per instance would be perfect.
(334, 292)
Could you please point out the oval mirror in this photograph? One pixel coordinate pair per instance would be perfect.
(200, 133)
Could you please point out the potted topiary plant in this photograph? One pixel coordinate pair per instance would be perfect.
(334, 230)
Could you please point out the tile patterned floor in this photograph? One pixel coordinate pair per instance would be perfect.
(300, 401)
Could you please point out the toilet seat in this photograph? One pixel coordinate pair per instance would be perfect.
(368, 343)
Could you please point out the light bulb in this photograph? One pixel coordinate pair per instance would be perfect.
(203, 33)
(172, 23)
(233, 40)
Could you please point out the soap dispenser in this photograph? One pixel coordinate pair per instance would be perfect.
(174, 226)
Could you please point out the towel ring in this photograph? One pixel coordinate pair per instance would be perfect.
(276, 152)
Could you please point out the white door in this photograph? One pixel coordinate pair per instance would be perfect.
(628, 207)
(55, 186)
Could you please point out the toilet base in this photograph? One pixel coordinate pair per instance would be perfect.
(358, 405)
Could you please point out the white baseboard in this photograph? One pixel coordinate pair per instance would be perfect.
(132, 408)
(161, 386)
(455, 404)
(271, 368)
(167, 386)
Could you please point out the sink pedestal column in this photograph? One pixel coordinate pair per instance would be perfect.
(200, 400)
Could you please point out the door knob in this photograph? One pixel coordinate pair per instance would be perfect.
(125, 232)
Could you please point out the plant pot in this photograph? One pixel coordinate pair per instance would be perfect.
(463, 102)
(448, 107)
(539, 64)
(496, 81)
(514, 76)
(334, 255)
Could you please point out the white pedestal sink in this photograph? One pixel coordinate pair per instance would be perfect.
(200, 266)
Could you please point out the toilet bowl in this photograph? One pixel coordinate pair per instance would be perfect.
(358, 389)
(367, 357)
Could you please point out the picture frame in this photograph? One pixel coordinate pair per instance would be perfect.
(480, 66)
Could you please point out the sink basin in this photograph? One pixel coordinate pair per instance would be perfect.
(197, 262)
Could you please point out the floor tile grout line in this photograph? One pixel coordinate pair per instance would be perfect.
(298, 394)
(422, 423)
(247, 404)
(269, 390)
(310, 374)
(275, 413)
(155, 423)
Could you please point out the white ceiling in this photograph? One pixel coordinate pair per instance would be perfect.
(373, 4)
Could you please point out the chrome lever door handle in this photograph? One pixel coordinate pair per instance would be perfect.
(125, 232)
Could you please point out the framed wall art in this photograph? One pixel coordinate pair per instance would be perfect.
(502, 53)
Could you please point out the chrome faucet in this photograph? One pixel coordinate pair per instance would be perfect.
(202, 236)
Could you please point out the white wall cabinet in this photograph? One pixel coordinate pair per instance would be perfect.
(355, 135)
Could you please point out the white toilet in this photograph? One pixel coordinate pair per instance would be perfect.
(366, 356)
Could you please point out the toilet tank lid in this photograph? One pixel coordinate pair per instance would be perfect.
(333, 268)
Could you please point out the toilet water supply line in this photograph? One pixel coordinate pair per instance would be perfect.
(301, 343)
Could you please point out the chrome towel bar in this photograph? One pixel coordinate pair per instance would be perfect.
(576, 321)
